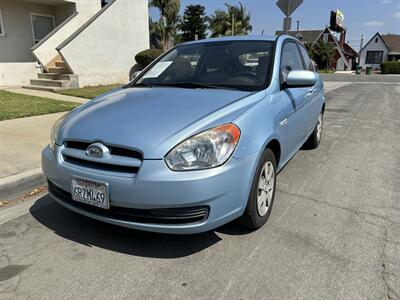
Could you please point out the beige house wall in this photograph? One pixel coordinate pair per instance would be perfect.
(102, 53)
(16, 44)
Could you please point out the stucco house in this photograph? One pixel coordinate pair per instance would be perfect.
(378, 49)
(345, 55)
(50, 44)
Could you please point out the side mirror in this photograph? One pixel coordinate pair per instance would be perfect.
(300, 78)
(134, 75)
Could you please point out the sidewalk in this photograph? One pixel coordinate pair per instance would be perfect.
(21, 143)
(45, 94)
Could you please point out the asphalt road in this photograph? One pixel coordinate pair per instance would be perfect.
(334, 232)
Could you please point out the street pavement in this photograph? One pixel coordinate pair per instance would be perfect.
(334, 232)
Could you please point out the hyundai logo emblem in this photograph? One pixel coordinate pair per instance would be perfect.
(97, 150)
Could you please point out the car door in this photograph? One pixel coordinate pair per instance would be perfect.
(299, 119)
(314, 92)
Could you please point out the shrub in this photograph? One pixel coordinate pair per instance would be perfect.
(144, 58)
(390, 67)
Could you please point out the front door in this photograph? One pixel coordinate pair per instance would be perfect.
(299, 96)
(41, 26)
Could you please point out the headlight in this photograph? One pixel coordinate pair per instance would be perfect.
(55, 130)
(205, 150)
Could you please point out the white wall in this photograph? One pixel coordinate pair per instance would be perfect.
(17, 73)
(46, 52)
(104, 51)
(373, 46)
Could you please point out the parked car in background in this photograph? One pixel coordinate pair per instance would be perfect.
(195, 141)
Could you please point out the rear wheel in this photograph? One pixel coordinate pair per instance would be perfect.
(262, 192)
(315, 138)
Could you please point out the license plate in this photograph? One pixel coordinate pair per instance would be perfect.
(90, 192)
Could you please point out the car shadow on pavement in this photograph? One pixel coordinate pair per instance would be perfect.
(89, 232)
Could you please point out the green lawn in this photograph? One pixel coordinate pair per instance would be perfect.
(13, 106)
(89, 92)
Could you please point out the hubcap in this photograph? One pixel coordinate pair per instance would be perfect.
(319, 127)
(265, 190)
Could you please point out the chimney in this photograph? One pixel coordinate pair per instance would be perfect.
(342, 39)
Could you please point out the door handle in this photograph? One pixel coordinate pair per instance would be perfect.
(310, 93)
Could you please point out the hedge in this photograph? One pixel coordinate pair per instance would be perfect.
(390, 67)
(144, 58)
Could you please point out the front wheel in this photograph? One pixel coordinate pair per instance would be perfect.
(262, 192)
(315, 138)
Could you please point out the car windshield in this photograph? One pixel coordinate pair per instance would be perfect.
(238, 65)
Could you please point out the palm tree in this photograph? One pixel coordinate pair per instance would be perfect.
(169, 10)
(234, 21)
(156, 33)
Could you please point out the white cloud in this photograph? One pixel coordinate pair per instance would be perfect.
(386, 1)
(397, 15)
(373, 23)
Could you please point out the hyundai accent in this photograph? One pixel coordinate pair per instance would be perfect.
(194, 141)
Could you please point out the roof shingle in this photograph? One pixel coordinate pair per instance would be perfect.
(393, 42)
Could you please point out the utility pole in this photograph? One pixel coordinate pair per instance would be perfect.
(359, 52)
(298, 25)
(362, 42)
(288, 7)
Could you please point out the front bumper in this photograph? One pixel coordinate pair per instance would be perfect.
(223, 190)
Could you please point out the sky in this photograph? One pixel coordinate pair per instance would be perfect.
(361, 17)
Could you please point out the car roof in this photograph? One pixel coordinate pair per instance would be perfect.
(235, 38)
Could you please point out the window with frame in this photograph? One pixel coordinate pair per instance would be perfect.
(307, 60)
(2, 33)
(291, 59)
(374, 57)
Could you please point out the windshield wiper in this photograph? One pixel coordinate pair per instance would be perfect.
(196, 85)
(141, 84)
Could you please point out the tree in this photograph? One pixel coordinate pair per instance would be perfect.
(169, 10)
(194, 22)
(322, 53)
(234, 21)
(156, 33)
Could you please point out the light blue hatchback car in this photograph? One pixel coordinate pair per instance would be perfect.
(194, 141)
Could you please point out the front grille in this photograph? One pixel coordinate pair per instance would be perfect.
(171, 216)
(121, 160)
(99, 166)
(113, 150)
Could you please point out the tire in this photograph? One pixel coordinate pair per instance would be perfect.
(256, 214)
(315, 138)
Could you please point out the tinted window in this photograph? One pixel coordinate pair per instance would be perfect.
(307, 61)
(241, 65)
(291, 59)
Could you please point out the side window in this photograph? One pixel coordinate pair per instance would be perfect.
(307, 61)
(291, 59)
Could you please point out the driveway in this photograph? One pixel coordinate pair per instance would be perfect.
(334, 232)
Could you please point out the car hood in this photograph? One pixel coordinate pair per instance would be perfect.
(151, 120)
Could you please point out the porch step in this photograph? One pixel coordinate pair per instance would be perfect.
(42, 88)
(50, 82)
(57, 76)
(58, 70)
(60, 64)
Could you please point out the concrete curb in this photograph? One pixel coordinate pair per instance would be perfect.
(16, 184)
